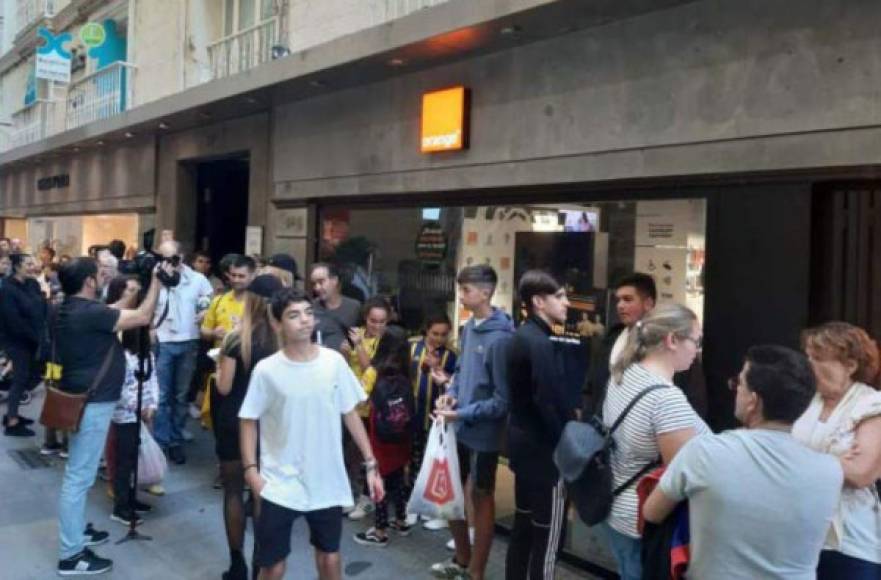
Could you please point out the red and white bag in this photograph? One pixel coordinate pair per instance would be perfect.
(438, 491)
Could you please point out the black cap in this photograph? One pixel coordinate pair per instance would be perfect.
(265, 285)
(285, 262)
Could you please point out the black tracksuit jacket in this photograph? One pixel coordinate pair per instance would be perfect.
(540, 406)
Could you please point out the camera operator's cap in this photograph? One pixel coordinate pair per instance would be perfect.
(265, 285)
(285, 262)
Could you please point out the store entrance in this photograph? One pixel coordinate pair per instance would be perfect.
(222, 206)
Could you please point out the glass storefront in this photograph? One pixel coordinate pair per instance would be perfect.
(412, 254)
(74, 235)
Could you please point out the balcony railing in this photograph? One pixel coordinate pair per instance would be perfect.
(32, 123)
(100, 95)
(243, 50)
(400, 8)
(29, 11)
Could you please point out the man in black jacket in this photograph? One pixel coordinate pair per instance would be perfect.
(540, 408)
(635, 296)
(23, 316)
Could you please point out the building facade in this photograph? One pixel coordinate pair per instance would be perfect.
(729, 148)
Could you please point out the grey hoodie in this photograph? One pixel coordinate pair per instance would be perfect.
(481, 382)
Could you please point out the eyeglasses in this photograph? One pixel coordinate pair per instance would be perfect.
(734, 382)
(698, 342)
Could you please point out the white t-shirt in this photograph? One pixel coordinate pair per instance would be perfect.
(856, 527)
(759, 504)
(299, 405)
(660, 411)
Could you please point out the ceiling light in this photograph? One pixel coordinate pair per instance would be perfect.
(397, 62)
(163, 125)
(129, 134)
(318, 84)
(251, 100)
(99, 143)
(510, 30)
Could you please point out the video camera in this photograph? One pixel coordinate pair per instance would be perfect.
(145, 262)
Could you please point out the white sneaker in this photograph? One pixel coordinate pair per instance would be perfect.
(449, 569)
(412, 519)
(451, 545)
(186, 435)
(363, 508)
(195, 412)
(435, 525)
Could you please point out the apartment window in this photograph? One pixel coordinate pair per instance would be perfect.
(239, 15)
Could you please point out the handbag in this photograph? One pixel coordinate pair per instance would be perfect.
(63, 410)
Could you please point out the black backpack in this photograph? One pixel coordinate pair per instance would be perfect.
(591, 487)
(393, 408)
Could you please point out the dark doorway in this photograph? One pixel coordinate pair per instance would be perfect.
(222, 206)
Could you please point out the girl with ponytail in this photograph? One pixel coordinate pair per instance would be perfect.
(664, 342)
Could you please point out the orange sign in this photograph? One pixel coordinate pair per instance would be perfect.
(444, 125)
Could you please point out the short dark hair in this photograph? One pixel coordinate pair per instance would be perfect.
(643, 283)
(536, 283)
(50, 250)
(117, 248)
(225, 262)
(783, 379)
(241, 261)
(333, 271)
(284, 298)
(73, 274)
(481, 275)
(117, 287)
(376, 302)
(16, 260)
(436, 318)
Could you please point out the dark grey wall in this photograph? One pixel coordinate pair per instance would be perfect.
(757, 279)
(707, 88)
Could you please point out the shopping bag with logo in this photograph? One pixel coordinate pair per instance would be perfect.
(151, 460)
(438, 491)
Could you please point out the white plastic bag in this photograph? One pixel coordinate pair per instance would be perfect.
(438, 491)
(151, 460)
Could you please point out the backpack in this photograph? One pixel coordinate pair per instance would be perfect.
(393, 409)
(583, 458)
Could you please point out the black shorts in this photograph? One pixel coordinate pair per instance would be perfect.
(226, 441)
(274, 526)
(481, 466)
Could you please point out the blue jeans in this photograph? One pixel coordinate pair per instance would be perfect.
(85, 446)
(627, 552)
(175, 365)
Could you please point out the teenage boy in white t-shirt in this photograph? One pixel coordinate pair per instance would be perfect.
(298, 396)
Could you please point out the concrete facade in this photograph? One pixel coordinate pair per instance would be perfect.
(703, 89)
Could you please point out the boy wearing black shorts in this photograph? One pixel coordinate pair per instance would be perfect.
(298, 396)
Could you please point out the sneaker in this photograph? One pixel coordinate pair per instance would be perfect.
(371, 538)
(155, 489)
(64, 453)
(22, 420)
(218, 482)
(176, 455)
(50, 449)
(86, 563)
(363, 508)
(186, 435)
(450, 569)
(412, 519)
(402, 528)
(435, 525)
(125, 517)
(451, 545)
(142, 508)
(195, 412)
(95, 537)
(18, 430)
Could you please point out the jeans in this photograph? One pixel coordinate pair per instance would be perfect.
(834, 565)
(627, 552)
(22, 371)
(85, 449)
(175, 365)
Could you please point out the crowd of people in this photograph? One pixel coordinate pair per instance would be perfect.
(321, 407)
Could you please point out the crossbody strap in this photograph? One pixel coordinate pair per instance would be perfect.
(632, 404)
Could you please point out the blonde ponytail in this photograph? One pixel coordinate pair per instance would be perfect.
(649, 334)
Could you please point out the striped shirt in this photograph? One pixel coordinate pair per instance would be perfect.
(636, 444)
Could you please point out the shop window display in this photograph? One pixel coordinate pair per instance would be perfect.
(412, 255)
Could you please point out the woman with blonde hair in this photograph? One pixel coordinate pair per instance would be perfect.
(844, 419)
(661, 421)
(253, 340)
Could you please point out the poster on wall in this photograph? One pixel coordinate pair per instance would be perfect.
(668, 266)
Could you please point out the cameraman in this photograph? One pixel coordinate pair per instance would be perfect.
(86, 334)
(182, 300)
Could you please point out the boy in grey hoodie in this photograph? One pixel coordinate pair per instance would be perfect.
(477, 401)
